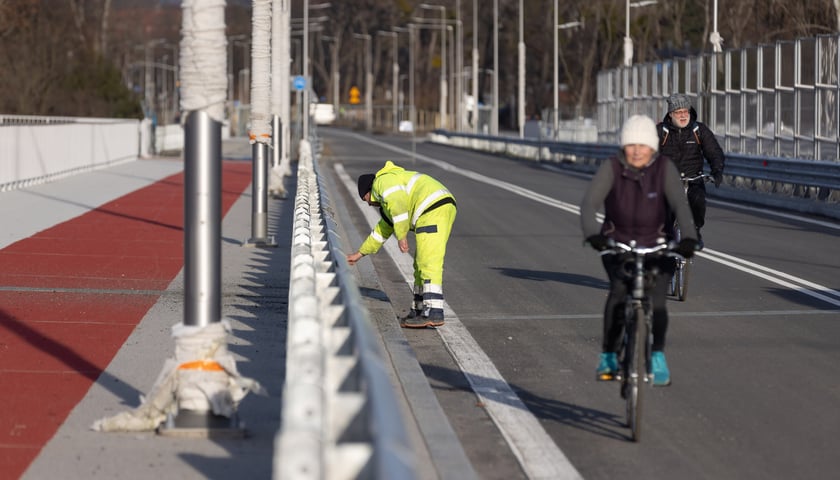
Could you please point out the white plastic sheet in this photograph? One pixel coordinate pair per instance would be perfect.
(201, 378)
(203, 60)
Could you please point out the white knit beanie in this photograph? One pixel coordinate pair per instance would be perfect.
(640, 130)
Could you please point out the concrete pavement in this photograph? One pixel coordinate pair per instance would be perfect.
(254, 297)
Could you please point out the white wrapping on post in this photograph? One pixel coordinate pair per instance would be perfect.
(202, 377)
(203, 58)
(260, 66)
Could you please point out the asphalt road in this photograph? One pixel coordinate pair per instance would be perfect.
(753, 352)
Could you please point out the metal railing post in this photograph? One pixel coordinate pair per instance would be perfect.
(202, 219)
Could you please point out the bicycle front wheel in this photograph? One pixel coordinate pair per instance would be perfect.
(636, 373)
(681, 280)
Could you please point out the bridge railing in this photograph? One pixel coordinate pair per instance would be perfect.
(341, 418)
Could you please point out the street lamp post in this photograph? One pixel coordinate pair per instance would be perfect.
(170, 102)
(306, 8)
(231, 50)
(443, 89)
(459, 67)
(521, 76)
(368, 80)
(494, 125)
(149, 82)
(410, 31)
(395, 71)
(244, 42)
(628, 42)
(475, 66)
(412, 116)
(714, 37)
(557, 28)
(306, 69)
(335, 74)
(555, 120)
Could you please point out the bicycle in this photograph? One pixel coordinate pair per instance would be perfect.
(679, 281)
(638, 319)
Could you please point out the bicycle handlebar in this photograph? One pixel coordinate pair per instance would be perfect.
(700, 176)
(618, 247)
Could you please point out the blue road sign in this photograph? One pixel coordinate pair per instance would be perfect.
(299, 82)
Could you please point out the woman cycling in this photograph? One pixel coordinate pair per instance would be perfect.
(636, 188)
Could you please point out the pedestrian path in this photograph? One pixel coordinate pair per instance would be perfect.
(90, 287)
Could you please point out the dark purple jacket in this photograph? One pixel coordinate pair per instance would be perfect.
(635, 201)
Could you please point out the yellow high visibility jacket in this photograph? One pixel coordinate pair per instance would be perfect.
(403, 197)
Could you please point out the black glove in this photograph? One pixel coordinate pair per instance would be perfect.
(598, 242)
(718, 178)
(686, 247)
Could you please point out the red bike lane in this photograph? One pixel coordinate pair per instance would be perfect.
(71, 295)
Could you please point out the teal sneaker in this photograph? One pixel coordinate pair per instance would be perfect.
(659, 368)
(607, 367)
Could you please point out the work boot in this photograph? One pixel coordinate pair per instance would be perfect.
(659, 369)
(607, 367)
(416, 319)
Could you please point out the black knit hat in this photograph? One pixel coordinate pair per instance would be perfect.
(365, 184)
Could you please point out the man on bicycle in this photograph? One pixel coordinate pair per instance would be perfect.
(637, 187)
(687, 142)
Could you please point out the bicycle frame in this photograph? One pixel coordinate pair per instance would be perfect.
(636, 347)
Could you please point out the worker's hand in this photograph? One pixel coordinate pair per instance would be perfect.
(718, 178)
(353, 258)
(404, 245)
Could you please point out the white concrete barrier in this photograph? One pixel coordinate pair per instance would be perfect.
(36, 150)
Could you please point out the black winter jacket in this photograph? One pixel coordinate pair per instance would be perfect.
(681, 144)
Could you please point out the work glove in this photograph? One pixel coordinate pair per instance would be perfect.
(598, 242)
(718, 178)
(686, 247)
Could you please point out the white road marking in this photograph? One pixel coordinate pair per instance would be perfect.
(482, 317)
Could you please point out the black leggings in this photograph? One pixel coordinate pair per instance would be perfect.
(697, 201)
(620, 284)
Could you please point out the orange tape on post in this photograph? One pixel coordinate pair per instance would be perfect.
(206, 365)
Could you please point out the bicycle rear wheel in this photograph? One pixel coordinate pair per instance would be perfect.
(636, 372)
(674, 284)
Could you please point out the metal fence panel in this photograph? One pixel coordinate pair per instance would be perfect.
(781, 99)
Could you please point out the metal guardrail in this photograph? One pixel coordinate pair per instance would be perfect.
(340, 417)
(805, 173)
(808, 186)
(14, 120)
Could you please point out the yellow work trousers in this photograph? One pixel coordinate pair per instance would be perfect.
(431, 233)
